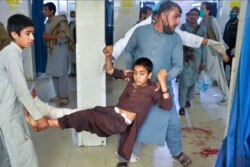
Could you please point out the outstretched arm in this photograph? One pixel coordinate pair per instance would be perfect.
(195, 41)
(108, 59)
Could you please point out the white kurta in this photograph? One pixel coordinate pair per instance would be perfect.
(188, 39)
(214, 62)
(14, 93)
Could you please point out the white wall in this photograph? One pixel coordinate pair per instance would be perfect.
(91, 81)
(126, 13)
(22, 7)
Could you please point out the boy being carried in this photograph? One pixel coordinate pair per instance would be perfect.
(127, 116)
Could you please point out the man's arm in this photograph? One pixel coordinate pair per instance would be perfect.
(176, 60)
(195, 41)
(120, 45)
(189, 39)
(14, 67)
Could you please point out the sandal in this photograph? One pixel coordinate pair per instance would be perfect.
(182, 111)
(63, 102)
(183, 159)
(122, 164)
(55, 99)
(188, 104)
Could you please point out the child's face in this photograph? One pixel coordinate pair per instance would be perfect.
(26, 38)
(141, 75)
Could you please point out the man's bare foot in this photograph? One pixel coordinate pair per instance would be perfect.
(31, 121)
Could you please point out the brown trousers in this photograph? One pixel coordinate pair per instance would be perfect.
(103, 121)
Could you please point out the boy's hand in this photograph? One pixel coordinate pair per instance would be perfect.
(162, 75)
(108, 51)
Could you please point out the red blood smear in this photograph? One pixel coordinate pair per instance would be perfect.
(208, 133)
(208, 151)
(199, 134)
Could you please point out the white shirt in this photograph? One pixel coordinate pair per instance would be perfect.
(188, 39)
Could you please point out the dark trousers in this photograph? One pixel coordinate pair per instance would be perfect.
(103, 121)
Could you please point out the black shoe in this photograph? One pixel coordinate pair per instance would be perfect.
(188, 104)
(122, 164)
(182, 111)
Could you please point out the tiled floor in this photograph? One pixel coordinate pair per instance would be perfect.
(203, 130)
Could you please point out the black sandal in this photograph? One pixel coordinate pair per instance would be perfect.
(122, 164)
(182, 111)
(188, 104)
(183, 159)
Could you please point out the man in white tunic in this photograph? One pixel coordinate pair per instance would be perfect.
(214, 62)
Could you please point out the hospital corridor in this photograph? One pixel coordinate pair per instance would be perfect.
(67, 63)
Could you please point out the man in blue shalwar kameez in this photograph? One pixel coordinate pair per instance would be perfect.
(163, 46)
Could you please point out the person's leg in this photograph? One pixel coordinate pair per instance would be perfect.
(222, 81)
(174, 135)
(174, 140)
(4, 157)
(55, 82)
(103, 121)
(182, 96)
(190, 92)
(19, 146)
(63, 90)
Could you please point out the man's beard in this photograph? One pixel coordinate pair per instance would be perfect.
(167, 29)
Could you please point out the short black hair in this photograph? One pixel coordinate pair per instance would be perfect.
(51, 6)
(195, 10)
(168, 6)
(17, 22)
(145, 62)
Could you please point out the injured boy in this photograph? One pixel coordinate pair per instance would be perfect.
(126, 117)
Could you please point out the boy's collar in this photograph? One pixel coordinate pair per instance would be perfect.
(16, 46)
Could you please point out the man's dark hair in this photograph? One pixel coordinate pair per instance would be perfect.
(168, 6)
(195, 10)
(51, 6)
(145, 62)
(209, 7)
(17, 22)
